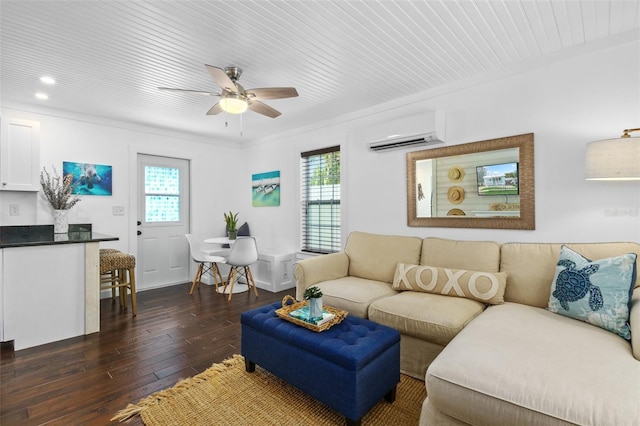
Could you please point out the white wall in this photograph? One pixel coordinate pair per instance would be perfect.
(565, 104)
(65, 137)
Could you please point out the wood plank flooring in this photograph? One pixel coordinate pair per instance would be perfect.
(86, 380)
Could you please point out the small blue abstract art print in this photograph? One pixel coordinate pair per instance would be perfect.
(89, 179)
(265, 189)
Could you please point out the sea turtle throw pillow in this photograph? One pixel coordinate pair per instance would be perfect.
(597, 292)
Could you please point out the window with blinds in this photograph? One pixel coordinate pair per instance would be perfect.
(320, 200)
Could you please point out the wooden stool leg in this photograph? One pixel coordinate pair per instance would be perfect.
(113, 289)
(132, 287)
(122, 291)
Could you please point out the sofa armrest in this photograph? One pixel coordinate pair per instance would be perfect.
(634, 323)
(316, 269)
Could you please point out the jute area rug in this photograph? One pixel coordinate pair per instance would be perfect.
(226, 394)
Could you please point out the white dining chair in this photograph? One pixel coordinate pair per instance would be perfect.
(244, 252)
(206, 264)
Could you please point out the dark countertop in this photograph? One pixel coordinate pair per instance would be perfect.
(43, 235)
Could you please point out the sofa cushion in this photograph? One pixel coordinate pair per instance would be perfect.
(486, 287)
(595, 292)
(470, 255)
(375, 257)
(353, 294)
(532, 365)
(426, 316)
(530, 267)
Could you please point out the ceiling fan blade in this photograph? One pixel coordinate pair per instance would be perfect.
(221, 78)
(198, 92)
(264, 109)
(272, 92)
(216, 109)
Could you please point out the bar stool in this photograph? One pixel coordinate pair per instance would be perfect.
(109, 276)
(117, 271)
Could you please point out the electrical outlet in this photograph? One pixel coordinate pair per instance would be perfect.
(14, 209)
(118, 210)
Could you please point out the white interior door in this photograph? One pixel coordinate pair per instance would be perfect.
(163, 206)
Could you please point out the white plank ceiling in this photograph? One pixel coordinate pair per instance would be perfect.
(109, 57)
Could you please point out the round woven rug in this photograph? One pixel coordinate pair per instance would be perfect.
(226, 394)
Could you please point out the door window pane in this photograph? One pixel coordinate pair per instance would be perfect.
(162, 194)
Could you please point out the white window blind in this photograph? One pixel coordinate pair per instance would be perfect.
(320, 200)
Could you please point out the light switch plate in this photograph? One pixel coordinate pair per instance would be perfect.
(118, 210)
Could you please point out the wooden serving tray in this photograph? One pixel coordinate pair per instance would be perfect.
(286, 309)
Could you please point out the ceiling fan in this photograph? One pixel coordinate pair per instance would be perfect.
(235, 99)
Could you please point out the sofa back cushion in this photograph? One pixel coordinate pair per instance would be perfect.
(375, 257)
(470, 255)
(531, 267)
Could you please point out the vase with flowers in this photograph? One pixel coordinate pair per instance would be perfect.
(58, 191)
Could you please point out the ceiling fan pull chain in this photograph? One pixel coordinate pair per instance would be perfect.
(241, 128)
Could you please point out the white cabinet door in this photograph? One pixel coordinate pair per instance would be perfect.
(19, 155)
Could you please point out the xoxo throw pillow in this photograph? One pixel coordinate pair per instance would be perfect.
(486, 287)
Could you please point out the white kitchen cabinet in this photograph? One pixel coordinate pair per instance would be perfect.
(19, 155)
(49, 302)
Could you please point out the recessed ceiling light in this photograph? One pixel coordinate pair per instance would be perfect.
(42, 96)
(47, 80)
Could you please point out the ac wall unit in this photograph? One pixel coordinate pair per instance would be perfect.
(414, 131)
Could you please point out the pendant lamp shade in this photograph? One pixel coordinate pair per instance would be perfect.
(613, 159)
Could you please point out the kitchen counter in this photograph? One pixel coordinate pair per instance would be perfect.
(40, 235)
(50, 283)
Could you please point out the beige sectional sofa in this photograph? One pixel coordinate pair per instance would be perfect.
(512, 362)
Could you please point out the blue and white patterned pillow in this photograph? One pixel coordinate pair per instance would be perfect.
(597, 292)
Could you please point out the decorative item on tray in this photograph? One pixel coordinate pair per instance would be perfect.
(314, 296)
(304, 314)
(298, 313)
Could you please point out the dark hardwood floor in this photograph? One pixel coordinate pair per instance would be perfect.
(86, 380)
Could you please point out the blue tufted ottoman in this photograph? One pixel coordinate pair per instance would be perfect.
(349, 367)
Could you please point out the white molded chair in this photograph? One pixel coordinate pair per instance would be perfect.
(206, 263)
(244, 252)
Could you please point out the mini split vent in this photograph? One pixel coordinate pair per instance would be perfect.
(413, 131)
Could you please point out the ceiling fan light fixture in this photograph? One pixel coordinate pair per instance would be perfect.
(233, 104)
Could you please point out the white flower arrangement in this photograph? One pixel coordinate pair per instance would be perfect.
(58, 190)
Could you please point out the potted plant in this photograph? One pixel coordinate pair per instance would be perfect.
(232, 224)
(58, 191)
(314, 296)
